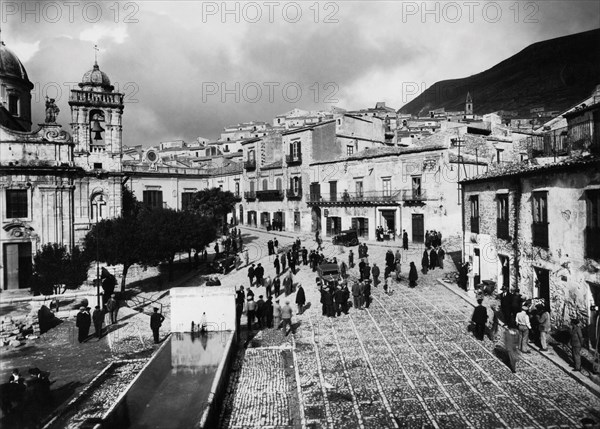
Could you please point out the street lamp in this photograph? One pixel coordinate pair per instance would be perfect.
(98, 203)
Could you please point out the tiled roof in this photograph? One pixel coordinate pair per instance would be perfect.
(523, 169)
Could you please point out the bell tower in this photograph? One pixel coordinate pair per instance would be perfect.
(469, 105)
(96, 111)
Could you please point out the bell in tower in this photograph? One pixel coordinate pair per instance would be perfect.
(96, 128)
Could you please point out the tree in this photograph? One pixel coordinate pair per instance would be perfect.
(54, 265)
(213, 203)
(118, 242)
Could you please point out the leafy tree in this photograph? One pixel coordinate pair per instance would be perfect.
(118, 242)
(54, 265)
(131, 207)
(213, 203)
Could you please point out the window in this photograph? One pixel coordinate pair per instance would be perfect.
(349, 149)
(387, 186)
(265, 184)
(13, 104)
(153, 199)
(474, 213)
(295, 149)
(592, 230)
(97, 166)
(237, 189)
(358, 185)
(251, 155)
(540, 219)
(186, 200)
(252, 186)
(499, 156)
(278, 183)
(16, 203)
(502, 216)
(296, 185)
(416, 187)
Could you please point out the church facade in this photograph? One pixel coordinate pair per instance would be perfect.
(53, 184)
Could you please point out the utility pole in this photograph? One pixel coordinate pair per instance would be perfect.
(98, 203)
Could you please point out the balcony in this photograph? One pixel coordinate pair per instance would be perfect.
(354, 198)
(250, 195)
(293, 159)
(270, 195)
(592, 242)
(250, 165)
(237, 197)
(411, 196)
(539, 232)
(502, 229)
(475, 225)
(294, 195)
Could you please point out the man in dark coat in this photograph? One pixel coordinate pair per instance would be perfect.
(156, 320)
(479, 318)
(361, 269)
(259, 273)
(276, 286)
(351, 259)
(300, 299)
(283, 260)
(269, 312)
(376, 272)
(404, 240)
(98, 319)
(367, 293)
(304, 256)
(505, 302)
(108, 285)
(441, 255)
(83, 322)
(338, 300)
(433, 259)
(425, 262)
(251, 271)
(367, 274)
(260, 312)
(389, 258)
(412, 275)
(277, 265)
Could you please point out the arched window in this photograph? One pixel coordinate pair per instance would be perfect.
(278, 184)
(13, 104)
(237, 188)
(251, 155)
(98, 208)
(265, 184)
(252, 186)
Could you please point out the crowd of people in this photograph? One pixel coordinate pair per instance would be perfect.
(23, 399)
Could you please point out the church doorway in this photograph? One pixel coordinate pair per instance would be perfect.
(17, 265)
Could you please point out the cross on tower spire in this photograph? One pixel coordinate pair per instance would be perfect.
(96, 55)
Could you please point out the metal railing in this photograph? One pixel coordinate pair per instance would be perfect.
(413, 195)
(250, 165)
(270, 195)
(294, 195)
(293, 159)
(250, 195)
(354, 197)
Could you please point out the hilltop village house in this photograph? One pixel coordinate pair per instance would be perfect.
(536, 227)
(54, 186)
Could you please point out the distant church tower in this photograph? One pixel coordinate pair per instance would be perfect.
(96, 112)
(15, 92)
(469, 106)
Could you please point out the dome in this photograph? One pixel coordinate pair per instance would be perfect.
(11, 66)
(95, 78)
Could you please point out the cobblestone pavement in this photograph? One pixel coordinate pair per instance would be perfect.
(407, 361)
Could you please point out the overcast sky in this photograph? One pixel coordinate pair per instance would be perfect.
(189, 68)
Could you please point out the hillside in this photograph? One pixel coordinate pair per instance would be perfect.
(554, 74)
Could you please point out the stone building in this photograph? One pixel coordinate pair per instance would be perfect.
(54, 186)
(536, 227)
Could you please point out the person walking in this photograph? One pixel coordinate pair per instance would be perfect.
(412, 275)
(83, 322)
(277, 286)
(156, 320)
(524, 326)
(259, 273)
(511, 340)
(361, 269)
(113, 308)
(286, 316)
(287, 284)
(277, 265)
(425, 262)
(404, 240)
(398, 269)
(98, 320)
(338, 300)
(544, 328)
(276, 314)
(251, 274)
(367, 293)
(351, 259)
(283, 261)
(356, 295)
(375, 271)
(300, 299)
(268, 286)
(260, 314)
(576, 343)
(479, 318)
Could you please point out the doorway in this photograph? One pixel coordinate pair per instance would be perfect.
(296, 221)
(334, 225)
(594, 322)
(17, 265)
(241, 214)
(361, 225)
(476, 267)
(418, 231)
(388, 221)
(504, 277)
(542, 286)
(316, 218)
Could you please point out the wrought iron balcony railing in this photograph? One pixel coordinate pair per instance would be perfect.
(250, 195)
(270, 195)
(294, 195)
(413, 195)
(293, 159)
(250, 165)
(354, 198)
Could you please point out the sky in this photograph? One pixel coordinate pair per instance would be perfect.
(190, 68)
